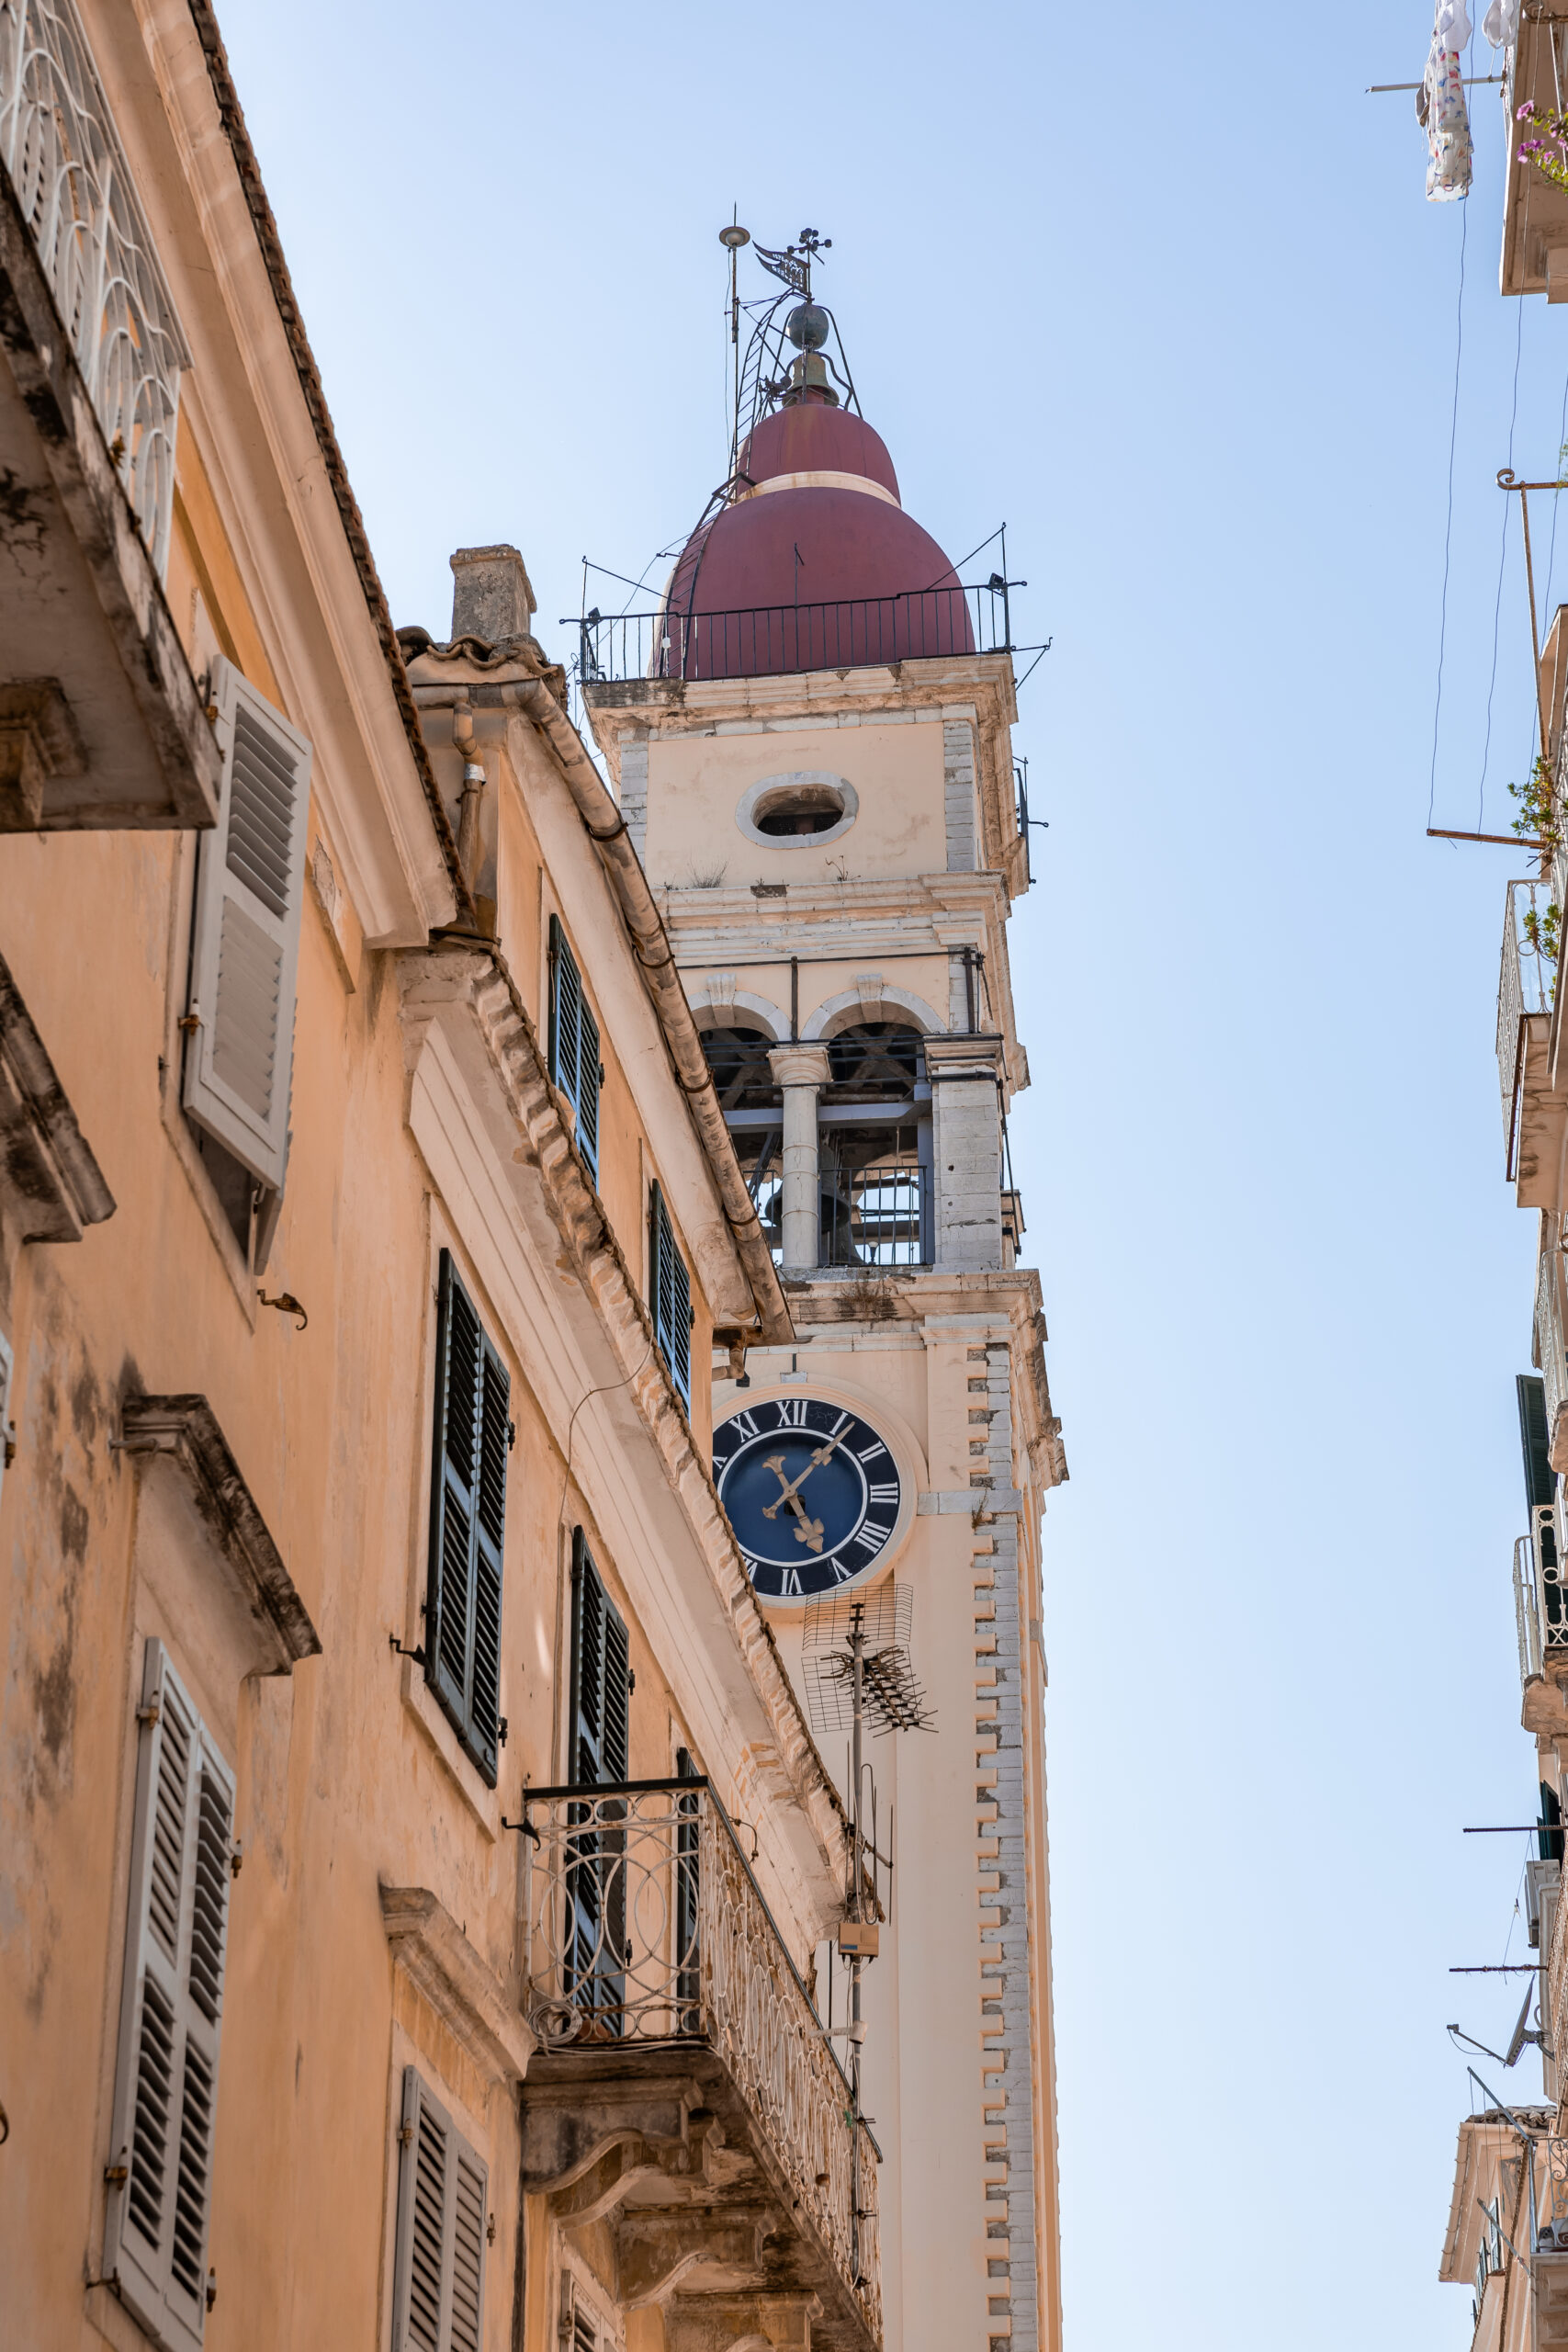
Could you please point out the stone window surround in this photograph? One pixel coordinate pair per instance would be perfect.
(792, 780)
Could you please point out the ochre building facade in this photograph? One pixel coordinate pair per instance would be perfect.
(422, 1890)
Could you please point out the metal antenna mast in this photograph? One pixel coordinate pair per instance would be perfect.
(855, 1649)
(732, 239)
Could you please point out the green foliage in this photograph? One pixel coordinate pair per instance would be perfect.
(1539, 819)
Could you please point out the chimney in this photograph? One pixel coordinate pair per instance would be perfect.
(492, 596)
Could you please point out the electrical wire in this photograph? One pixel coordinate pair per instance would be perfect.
(1449, 523)
(1501, 565)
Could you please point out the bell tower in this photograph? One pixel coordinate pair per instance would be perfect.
(811, 740)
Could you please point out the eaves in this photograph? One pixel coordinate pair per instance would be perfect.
(249, 174)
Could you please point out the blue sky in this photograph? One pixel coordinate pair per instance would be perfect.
(1166, 296)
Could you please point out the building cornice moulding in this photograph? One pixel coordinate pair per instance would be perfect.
(50, 1185)
(465, 1994)
(186, 1430)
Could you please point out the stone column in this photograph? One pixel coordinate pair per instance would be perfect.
(800, 1070)
(965, 1074)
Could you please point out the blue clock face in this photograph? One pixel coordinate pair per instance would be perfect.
(812, 1492)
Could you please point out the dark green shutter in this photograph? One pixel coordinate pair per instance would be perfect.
(1541, 1483)
(601, 1692)
(574, 1045)
(601, 1666)
(467, 1523)
(1550, 1835)
(671, 1300)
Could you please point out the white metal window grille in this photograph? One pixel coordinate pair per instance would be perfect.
(443, 2196)
(575, 1066)
(245, 949)
(160, 2169)
(59, 145)
(669, 1295)
(467, 1523)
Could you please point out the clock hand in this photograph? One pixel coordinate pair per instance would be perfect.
(776, 1464)
(810, 1530)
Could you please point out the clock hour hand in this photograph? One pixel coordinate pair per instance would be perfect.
(809, 1532)
(776, 1464)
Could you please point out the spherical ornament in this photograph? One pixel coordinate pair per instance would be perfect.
(806, 326)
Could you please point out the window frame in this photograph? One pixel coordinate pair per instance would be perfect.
(669, 1306)
(481, 1728)
(575, 1046)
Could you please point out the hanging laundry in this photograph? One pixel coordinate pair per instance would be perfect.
(1501, 23)
(1440, 105)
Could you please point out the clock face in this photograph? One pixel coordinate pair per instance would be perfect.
(812, 1491)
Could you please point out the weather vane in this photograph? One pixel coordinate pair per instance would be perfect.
(794, 264)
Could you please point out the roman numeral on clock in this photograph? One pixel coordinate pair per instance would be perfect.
(746, 1424)
(869, 1452)
(792, 1412)
(888, 1494)
(872, 1536)
(789, 1587)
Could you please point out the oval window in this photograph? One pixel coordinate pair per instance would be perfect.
(795, 811)
(798, 811)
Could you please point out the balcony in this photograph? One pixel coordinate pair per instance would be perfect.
(1532, 1112)
(100, 721)
(776, 640)
(1535, 213)
(1540, 1616)
(684, 2088)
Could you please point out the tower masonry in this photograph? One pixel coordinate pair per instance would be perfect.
(815, 768)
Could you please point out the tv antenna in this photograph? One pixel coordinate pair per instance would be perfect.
(855, 1654)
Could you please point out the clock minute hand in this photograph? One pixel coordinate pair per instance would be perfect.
(776, 1464)
(809, 1532)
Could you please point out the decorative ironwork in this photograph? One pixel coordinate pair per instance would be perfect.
(644, 1924)
(59, 145)
(773, 641)
(1541, 1591)
(1524, 987)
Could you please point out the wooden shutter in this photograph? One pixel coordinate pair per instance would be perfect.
(1550, 1835)
(171, 2011)
(245, 947)
(601, 1675)
(671, 1300)
(443, 2200)
(1541, 1482)
(467, 1523)
(574, 1045)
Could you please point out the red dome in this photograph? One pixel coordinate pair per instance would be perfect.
(816, 567)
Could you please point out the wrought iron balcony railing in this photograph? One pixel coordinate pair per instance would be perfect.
(644, 1927)
(772, 641)
(60, 149)
(1540, 1593)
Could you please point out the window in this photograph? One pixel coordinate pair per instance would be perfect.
(245, 949)
(443, 2196)
(468, 1523)
(574, 1045)
(600, 1712)
(670, 1295)
(601, 1675)
(165, 2103)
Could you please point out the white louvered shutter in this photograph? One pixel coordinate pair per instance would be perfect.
(443, 2194)
(245, 949)
(165, 2106)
